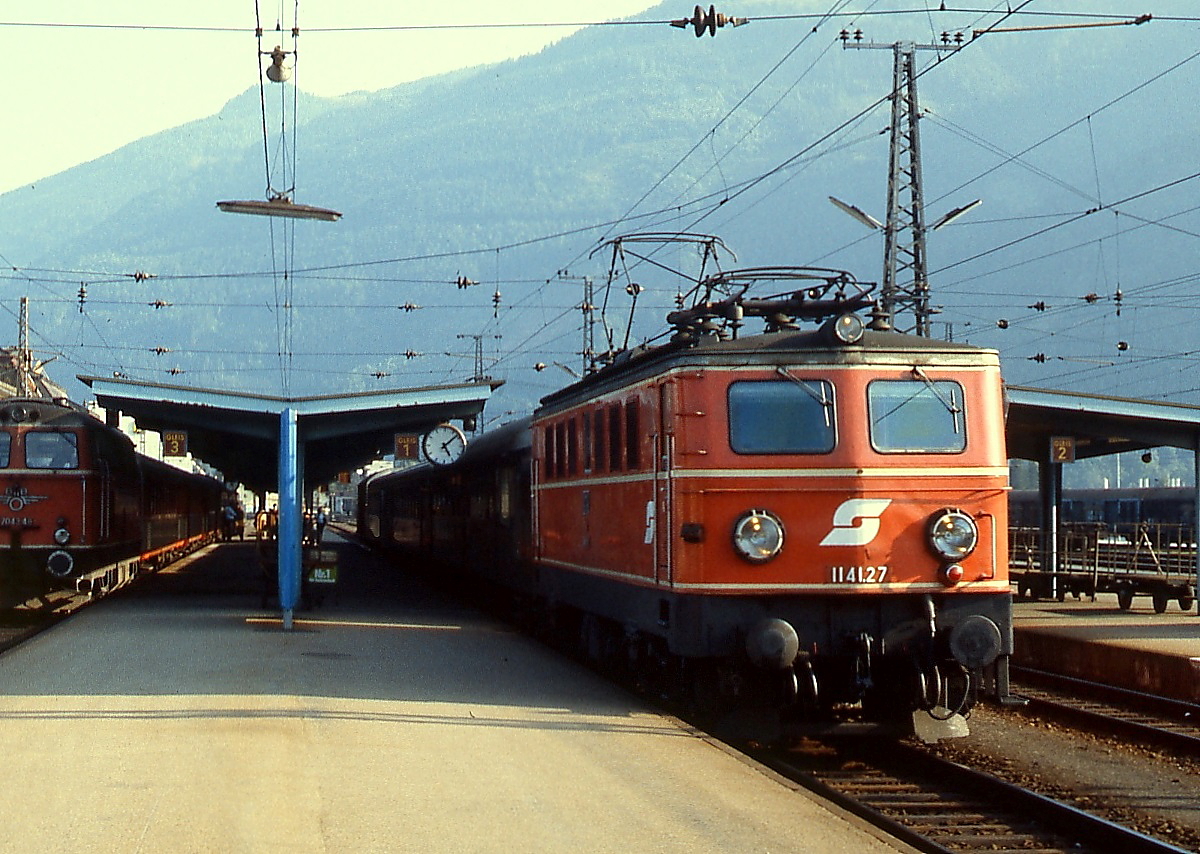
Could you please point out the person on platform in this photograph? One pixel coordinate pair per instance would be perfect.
(229, 518)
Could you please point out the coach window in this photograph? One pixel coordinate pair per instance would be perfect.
(633, 436)
(51, 450)
(5, 449)
(480, 509)
(916, 416)
(506, 485)
(791, 416)
(614, 437)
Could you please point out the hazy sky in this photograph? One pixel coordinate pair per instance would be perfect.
(75, 93)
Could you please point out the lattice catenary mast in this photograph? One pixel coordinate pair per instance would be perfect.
(905, 287)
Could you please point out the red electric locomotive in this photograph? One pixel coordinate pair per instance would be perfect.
(80, 509)
(789, 527)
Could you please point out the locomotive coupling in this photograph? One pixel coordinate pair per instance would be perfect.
(772, 644)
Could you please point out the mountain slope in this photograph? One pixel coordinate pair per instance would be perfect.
(470, 173)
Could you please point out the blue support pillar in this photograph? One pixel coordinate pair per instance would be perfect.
(289, 516)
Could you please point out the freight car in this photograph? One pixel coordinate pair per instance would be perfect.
(787, 530)
(1127, 541)
(80, 509)
(1116, 509)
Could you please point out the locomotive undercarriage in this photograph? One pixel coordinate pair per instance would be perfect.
(896, 663)
(25, 573)
(22, 574)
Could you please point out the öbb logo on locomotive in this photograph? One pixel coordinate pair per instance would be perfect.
(795, 527)
(856, 522)
(16, 497)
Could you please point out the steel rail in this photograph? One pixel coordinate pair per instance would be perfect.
(1144, 718)
(938, 806)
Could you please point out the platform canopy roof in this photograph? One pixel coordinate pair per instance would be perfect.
(238, 433)
(1099, 424)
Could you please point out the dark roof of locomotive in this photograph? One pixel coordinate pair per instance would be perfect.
(38, 411)
(62, 412)
(645, 361)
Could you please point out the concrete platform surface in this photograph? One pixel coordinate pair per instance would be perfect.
(1136, 649)
(179, 718)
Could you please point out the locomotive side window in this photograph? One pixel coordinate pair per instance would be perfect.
(548, 459)
(614, 437)
(45, 449)
(560, 449)
(633, 436)
(5, 449)
(916, 416)
(781, 416)
(599, 444)
(587, 443)
(572, 448)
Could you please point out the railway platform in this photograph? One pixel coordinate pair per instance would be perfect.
(178, 716)
(1137, 649)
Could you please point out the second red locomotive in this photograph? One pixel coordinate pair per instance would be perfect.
(798, 526)
(80, 509)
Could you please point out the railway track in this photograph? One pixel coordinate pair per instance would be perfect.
(936, 805)
(1136, 718)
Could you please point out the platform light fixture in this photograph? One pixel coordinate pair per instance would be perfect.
(955, 214)
(856, 212)
(277, 72)
(280, 206)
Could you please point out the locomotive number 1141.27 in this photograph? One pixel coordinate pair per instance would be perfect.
(857, 574)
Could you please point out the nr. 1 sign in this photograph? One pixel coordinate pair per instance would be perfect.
(407, 446)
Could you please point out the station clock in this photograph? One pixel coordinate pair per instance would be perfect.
(443, 444)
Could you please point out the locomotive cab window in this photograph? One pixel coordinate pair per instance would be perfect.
(5, 449)
(789, 416)
(916, 416)
(46, 449)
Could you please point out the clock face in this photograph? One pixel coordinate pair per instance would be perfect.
(443, 444)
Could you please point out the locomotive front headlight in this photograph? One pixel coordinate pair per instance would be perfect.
(849, 328)
(953, 534)
(62, 536)
(758, 535)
